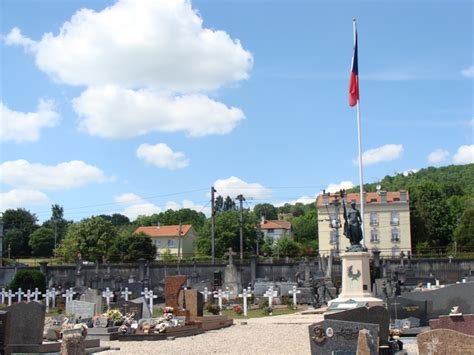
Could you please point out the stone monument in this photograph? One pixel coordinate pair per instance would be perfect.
(356, 284)
(232, 277)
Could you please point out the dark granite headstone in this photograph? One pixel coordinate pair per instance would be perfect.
(5, 327)
(332, 336)
(374, 315)
(146, 312)
(129, 307)
(401, 308)
(135, 288)
(27, 323)
(463, 323)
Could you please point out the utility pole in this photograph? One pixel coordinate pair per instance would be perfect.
(258, 239)
(1, 239)
(213, 226)
(241, 199)
(179, 247)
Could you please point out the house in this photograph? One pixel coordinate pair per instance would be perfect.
(168, 237)
(386, 222)
(275, 229)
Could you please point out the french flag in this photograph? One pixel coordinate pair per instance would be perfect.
(354, 83)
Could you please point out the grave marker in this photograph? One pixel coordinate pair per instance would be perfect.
(245, 294)
(10, 295)
(444, 341)
(294, 292)
(81, 309)
(107, 294)
(2, 295)
(173, 286)
(270, 294)
(36, 294)
(125, 293)
(219, 295)
(5, 327)
(69, 295)
(53, 293)
(149, 296)
(19, 293)
(206, 292)
(125, 307)
(27, 323)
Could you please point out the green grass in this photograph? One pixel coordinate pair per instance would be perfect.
(256, 313)
(36, 261)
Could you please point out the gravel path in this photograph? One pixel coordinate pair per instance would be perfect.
(286, 334)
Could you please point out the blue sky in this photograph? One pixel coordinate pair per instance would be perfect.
(145, 105)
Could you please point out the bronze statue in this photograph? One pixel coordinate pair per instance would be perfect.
(352, 224)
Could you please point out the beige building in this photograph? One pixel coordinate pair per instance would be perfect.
(168, 237)
(276, 229)
(386, 222)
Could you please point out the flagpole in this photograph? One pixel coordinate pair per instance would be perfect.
(361, 174)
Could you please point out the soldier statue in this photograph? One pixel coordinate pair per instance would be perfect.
(352, 225)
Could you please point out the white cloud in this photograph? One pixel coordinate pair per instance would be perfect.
(17, 198)
(410, 172)
(113, 112)
(438, 156)
(137, 206)
(162, 156)
(303, 199)
(25, 126)
(385, 153)
(146, 43)
(468, 72)
(334, 187)
(15, 37)
(74, 173)
(234, 186)
(172, 205)
(464, 155)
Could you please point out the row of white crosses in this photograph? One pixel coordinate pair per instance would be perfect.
(19, 293)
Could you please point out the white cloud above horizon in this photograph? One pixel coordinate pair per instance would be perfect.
(464, 155)
(468, 72)
(19, 198)
(107, 111)
(63, 176)
(382, 154)
(20, 127)
(335, 187)
(162, 156)
(136, 206)
(234, 186)
(438, 156)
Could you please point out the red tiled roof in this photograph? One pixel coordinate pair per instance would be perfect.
(371, 197)
(275, 225)
(164, 231)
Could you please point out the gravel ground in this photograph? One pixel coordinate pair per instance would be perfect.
(286, 334)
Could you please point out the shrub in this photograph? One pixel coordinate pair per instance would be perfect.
(288, 301)
(28, 280)
(212, 308)
(263, 303)
(267, 311)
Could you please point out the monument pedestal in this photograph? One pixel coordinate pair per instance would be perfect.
(356, 284)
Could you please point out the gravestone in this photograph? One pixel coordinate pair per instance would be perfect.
(366, 343)
(194, 302)
(285, 287)
(93, 296)
(402, 308)
(332, 335)
(373, 315)
(129, 307)
(135, 287)
(260, 287)
(5, 327)
(173, 286)
(441, 300)
(232, 276)
(146, 312)
(81, 309)
(407, 323)
(445, 341)
(27, 323)
(463, 323)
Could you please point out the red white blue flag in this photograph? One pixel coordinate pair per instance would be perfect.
(354, 83)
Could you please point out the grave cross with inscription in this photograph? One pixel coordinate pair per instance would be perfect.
(19, 293)
(28, 296)
(270, 294)
(245, 294)
(125, 293)
(36, 294)
(107, 294)
(10, 295)
(53, 294)
(150, 296)
(219, 295)
(206, 292)
(294, 292)
(69, 294)
(230, 253)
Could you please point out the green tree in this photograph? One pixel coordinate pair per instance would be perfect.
(285, 246)
(18, 224)
(41, 242)
(92, 237)
(464, 232)
(219, 204)
(57, 222)
(173, 217)
(27, 279)
(131, 247)
(266, 210)
(305, 227)
(229, 204)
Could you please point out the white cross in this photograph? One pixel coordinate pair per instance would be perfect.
(227, 293)
(206, 292)
(47, 295)
(69, 294)
(53, 294)
(293, 292)
(10, 295)
(149, 295)
(36, 294)
(19, 293)
(28, 296)
(245, 294)
(125, 293)
(107, 294)
(219, 295)
(2, 294)
(270, 294)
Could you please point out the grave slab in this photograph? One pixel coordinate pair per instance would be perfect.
(27, 323)
(463, 323)
(81, 309)
(445, 341)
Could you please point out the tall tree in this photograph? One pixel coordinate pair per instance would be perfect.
(219, 204)
(57, 222)
(41, 242)
(266, 210)
(229, 204)
(18, 224)
(464, 232)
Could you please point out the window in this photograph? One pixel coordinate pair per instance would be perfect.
(157, 243)
(394, 219)
(333, 238)
(270, 230)
(374, 219)
(395, 235)
(172, 243)
(374, 236)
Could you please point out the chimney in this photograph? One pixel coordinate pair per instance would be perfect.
(403, 196)
(383, 196)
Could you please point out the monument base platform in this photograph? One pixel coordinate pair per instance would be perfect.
(339, 304)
